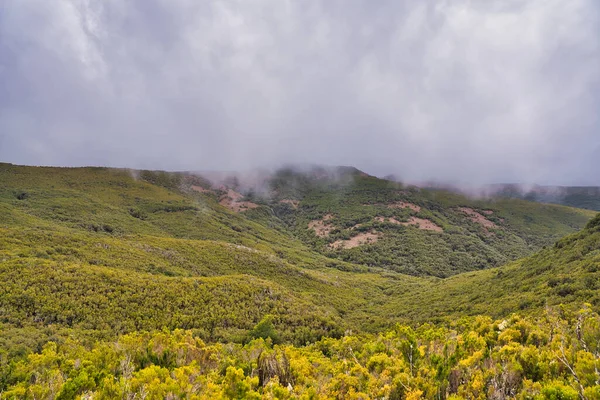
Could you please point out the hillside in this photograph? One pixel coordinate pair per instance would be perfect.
(345, 214)
(81, 232)
(88, 255)
(566, 273)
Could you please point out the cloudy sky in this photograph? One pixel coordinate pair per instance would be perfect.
(477, 91)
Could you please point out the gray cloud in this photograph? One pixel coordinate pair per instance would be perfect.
(457, 90)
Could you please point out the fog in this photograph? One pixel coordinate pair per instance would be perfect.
(461, 91)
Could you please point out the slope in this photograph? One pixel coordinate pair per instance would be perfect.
(345, 214)
(99, 252)
(566, 273)
(113, 251)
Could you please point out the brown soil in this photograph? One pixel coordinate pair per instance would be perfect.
(233, 201)
(358, 240)
(391, 220)
(422, 223)
(321, 227)
(478, 218)
(487, 212)
(293, 203)
(401, 204)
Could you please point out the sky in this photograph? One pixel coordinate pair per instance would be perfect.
(462, 91)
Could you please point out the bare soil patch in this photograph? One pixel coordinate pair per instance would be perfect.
(402, 204)
(358, 240)
(233, 201)
(391, 220)
(321, 227)
(422, 223)
(477, 217)
(488, 212)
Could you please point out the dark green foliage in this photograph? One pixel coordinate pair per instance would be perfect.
(21, 195)
(355, 201)
(265, 330)
(594, 223)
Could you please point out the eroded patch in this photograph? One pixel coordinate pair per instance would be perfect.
(233, 201)
(422, 223)
(391, 220)
(358, 240)
(321, 227)
(477, 217)
(402, 204)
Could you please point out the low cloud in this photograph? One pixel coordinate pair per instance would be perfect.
(462, 91)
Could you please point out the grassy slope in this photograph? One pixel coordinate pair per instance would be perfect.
(94, 249)
(95, 252)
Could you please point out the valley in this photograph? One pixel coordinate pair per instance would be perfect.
(296, 265)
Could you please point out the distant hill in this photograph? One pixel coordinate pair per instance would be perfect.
(346, 214)
(587, 197)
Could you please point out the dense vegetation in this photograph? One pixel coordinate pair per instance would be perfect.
(552, 357)
(508, 228)
(102, 268)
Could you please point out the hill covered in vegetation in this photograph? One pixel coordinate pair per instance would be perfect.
(346, 214)
(90, 256)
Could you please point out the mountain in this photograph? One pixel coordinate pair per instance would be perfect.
(587, 197)
(90, 256)
(362, 219)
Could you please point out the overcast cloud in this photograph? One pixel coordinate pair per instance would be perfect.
(477, 91)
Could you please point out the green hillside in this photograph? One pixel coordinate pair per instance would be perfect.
(566, 273)
(93, 255)
(411, 230)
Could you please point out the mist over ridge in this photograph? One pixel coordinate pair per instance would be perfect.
(467, 92)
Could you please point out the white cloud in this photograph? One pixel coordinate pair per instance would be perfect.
(455, 90)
